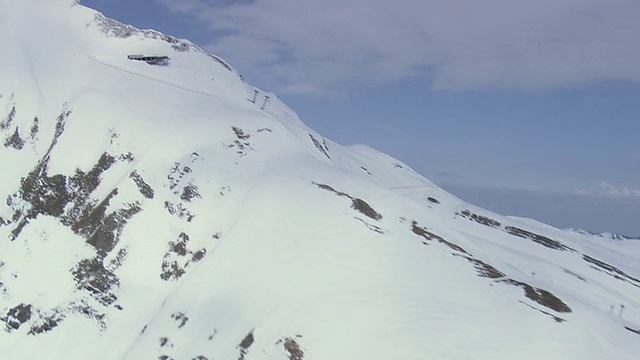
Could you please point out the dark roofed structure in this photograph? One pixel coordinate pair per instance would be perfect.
(151, 59)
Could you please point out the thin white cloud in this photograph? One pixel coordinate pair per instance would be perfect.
(612, 190)
(461, 44)
(609, 190)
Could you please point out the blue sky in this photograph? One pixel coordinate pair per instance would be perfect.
(526, 108)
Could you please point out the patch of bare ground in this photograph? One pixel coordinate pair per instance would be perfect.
(423, 232)
(611, 270)
(541, 296)
(483, 269)
(291, 346)
(241, 143)
(8, 120)
(321, 146)
(245, 344)
(164, 341)
(114, 28)
(294, 350)
(17, 316)
(181, 318)
(480, 219)
(39, 321)
(14, 141)
(190, 192)
(71, 201)
(177, 172)
(539, 239)
(178, 258)
(357, 204)
(179, 211)
(144, 188)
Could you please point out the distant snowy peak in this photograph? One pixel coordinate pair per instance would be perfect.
(604, 235)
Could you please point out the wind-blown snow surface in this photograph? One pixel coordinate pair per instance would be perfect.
(159, 212)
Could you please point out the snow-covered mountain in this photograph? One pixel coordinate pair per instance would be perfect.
(604, 235)
(176, 212)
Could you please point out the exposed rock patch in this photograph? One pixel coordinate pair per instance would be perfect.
(427, 235)
(39, 321)
(611, 270)
(117, 29)
(145, 189)
(357, 204)
(241, 143)
(181, 318)
(8, 120)
(14, 141)
(178, 258)
(190, 192)
(182, 183)
(164, 341)
(91, 275)
(179, 210)
(541, 296)
(68, 199)
(46, 323)
(539, 239)
(433, 200)
(17, 316)
(321, 146)
(485, 270)
(479, 219)
(293, 348)
(35, 128)
(177, 172)
(245, 344)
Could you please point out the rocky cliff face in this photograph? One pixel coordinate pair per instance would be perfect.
(170, 212)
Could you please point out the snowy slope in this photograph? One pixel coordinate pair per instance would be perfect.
(159, 212)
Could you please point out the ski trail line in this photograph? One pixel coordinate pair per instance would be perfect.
(131, 72)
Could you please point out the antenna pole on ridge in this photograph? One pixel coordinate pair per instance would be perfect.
(266, 99)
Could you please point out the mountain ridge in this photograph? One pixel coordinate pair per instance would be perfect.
(604, 235)
(162, 212)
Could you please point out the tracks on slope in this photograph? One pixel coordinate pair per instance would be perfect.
(138, 74)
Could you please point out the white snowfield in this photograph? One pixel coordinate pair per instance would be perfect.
(159, 212)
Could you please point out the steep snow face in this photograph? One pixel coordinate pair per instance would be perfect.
(175, 212)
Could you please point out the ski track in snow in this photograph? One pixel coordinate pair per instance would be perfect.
(146, 77)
